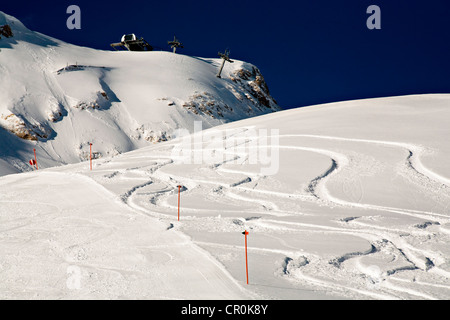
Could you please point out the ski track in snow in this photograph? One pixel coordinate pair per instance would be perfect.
(85, 247)
(151, 187)
(157, 203)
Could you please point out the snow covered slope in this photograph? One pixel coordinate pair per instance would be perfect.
(356, 205)
(58, 98)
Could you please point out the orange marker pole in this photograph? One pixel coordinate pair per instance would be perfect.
(90, 154)
(179, 188)
(246, 260)
(35, 159)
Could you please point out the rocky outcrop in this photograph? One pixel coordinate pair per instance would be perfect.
(100, 103)
(23, 129)
(256, 87)
(250, 90)
(6, 31)
(207, 104)
(149, 135)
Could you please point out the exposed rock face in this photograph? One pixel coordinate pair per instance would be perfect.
(6, 31)
(256, 86)
(100, 103)
(22, 129)
(151, 136)
(249, 88)
(206, 103)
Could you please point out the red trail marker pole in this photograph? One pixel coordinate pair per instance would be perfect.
(35, 159)
(179, 190)
(90, 154)
(246, 260)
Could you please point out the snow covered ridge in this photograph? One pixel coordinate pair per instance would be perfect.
(58, 97)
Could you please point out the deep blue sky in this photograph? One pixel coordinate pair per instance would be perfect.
(309, 52)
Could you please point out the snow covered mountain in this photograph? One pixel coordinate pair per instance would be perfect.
(58, 98)
(343, 200)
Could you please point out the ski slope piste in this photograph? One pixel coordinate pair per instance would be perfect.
(347, 200)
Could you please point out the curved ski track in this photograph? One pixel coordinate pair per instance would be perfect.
(157, 204)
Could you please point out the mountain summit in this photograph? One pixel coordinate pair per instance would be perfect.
(58, 97)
